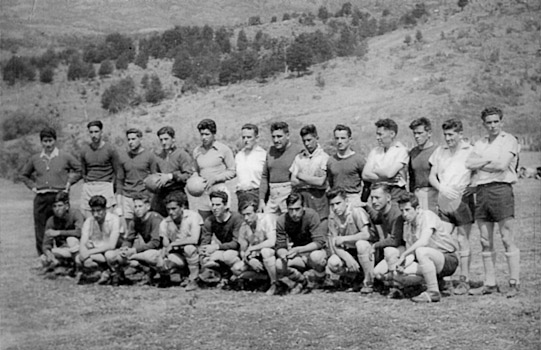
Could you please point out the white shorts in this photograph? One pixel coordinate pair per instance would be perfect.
(96, 188)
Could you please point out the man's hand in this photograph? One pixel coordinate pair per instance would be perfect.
(292, 253)
(52, 233)
(261, 208)
(211, 180)
(352, 264)
(164, 179)
(256, 265)
(83, 255)
(209, 249)
(338, 241)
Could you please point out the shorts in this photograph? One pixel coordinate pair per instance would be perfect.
(463, 215)
(278, 192)
(450, 264)
(428, 198)
(127, 207)
(317, 200)
(203, 202)
(244, 196)
(96, 188)
(495, 202)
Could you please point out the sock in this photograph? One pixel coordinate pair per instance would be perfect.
(513, 260)
(193, 266)
(429, 274)
(270, 266)
(489, 263)
(368, 267)
(465, 264)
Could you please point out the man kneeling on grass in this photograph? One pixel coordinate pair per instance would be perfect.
(434, 249)
(62, 233)
(142, 243)
(99, 234)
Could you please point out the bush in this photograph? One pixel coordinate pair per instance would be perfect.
(286, 17)
(154, 93)
(182, 66)
(242, 41)
(222, 39)
(80, 70)
(274, 19)
(106, 68)
(418, 36)
(120, 44)
(46, 75)
(118, 96)
(18, 68)
(299, 57)
(254, 21)
(407, 39)
(123, 61)
(323, 14)
(145, 81)
(21, 124)
(141, 59)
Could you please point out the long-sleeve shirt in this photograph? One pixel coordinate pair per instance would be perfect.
(51, 173)
(69, 225)
(217, 161)
(276, 169)
(227, 232)
(392, 225)
(177, 162)
(305, 231)
(99, 164)
(133, 170)
(148, 229)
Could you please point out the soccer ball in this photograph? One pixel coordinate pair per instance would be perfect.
(151, 182)
(196, 185)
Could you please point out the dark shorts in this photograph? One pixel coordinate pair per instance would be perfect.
(450, 264)
(245, 196)
(317, 200)
(463, 215)
(495, 202)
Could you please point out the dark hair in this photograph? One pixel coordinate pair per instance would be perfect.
(97, 123)
(341, 127)
(135, 131)
(249, 203)
(339, 191)
(219, 194)
(97, 201)
(47, 132)
(141, 196)
(309, 129)
(62, 197)
(491, 111)
(177, 196)
(408, 198)
(294, 197)
(166, 130)
(452, 124)
(386, 188)
(421, 122)
(280, 126)
(207, 124)
(388, 124)
(251, 127)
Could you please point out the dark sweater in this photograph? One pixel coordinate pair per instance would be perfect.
(99, 164)
(51, 175)
(226, 232)
(392, 225)
(276, 169)
(307, 230)
(148, 229)
(69, 226)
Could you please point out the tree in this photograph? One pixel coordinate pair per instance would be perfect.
(346, 44)
(18, 68)
(274, 19)
(106, 68)
(141, 59)
(462, 4)
(144, 81)
(286, 17)
(123, 61)
(207, 34)
(254, 21)
(346, 9)
(242, 41)
(119, 44)
(299, 57)
(154, 93)
(182, 66)
(46, 75)
(222, 39)
(407, 39)
(118, 96)
(418, 36)
(323, 14)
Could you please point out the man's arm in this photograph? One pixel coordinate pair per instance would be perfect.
(269, 226)
(236, 222)
(264, 184)
(395, 237)
(186, 168)
(74, 170)
(26, 174)
(110, 244)
(421, 242)
(281, 234)
(194, 227)
(154, 241)
(389, 171)
(361, 223)
(368, 170)
(78, 225)
(206, 235)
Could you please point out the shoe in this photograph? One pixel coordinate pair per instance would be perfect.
(367, 288)
(272, 289)
(79, 278)
(427, 297)
(484, 290)
(513, 289)
(104, 278)
(298, 289)
(395, 293)
(463, 286)
(191, 286)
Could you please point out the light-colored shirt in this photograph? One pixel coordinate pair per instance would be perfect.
(249, 167)
(439, 239)
(100, 235)
(312, 164)
(397, 153)
(356, 219)
(217, 162)
(265, 226)
(504, 143)
(189, 227)
(451, 167)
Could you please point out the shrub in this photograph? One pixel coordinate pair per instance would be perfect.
(462, 4)
(274, 19)
(222, 39)
(182, 66)
(123, 61)
(141, 59)
(154, 93)
(46, 75)
(418, 36)
(323, 14)
(299, 57)
(144, 81)
(254, 21)
(106, 68)
(78, 69)
(120, 44)
(286, 17)
(242, 41)
(22, 123)
(118, 96)
(18, 68)
(407, 39)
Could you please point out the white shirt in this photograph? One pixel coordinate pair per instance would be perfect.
(504, 143)
(250, 168)
(397, 153)
(313, 164)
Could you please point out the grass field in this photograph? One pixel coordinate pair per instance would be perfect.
(58, 314)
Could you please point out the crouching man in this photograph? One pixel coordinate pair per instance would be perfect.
(434, 249)
(62, 233)
(142, 243)
(99, 235)
(257, 237)
(303, 229)
(180, 233)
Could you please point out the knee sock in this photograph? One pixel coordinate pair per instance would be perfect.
(465, 264)
(429, 273)
(295, 275)
(193, 266)
(489, 264)
(368, 267)
(513, 260)
(270, 266)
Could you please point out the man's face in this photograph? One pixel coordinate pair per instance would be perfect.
(379, 199)
(218, 207)
(134, 142)
(48, 144)
(98, 213)
(248, 138)
(249, 215)
(384, 136)
(408, 212)
(493, 124)
(338, 205)
(421, 135)
(60, 209)
(140, 208)
(310, 142)
(166, 141)
(342, 140)
(295, 211)
(174, 211)
(95, 134)
(280, 139)
(452, 137)
(207, 137)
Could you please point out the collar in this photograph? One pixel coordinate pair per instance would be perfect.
(463, 145)
(102, 143)
(141, 150)
(54, 153)
(316, 152)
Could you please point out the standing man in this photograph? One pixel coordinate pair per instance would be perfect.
(99, 164)
(345, 168)
(214, 162)
(388, 162)
(419, 167)
(46, 174)
(249, 165)
(135, 165)
(176, 166)
(276, 177)
(494, 160)
(309, 172)
(450, 176)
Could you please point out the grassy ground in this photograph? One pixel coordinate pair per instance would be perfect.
(45, 314)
